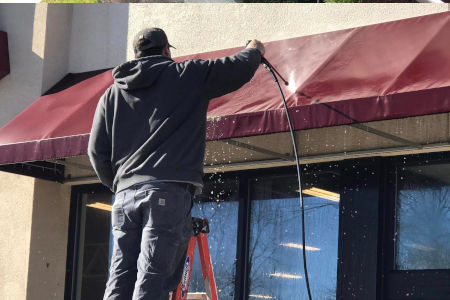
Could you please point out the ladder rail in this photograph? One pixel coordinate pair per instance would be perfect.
(201, 228)
(182, 289)
(207, 269)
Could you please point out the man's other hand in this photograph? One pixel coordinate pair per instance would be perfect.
(257, 45)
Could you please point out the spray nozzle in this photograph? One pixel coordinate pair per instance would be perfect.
(269, 67)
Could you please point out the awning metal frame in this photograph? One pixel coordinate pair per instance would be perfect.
(360, 126)
(279, 162)
(39, 169)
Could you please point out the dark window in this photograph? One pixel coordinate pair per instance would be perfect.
(94, 244)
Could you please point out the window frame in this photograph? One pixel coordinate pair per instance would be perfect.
(408, 284)
(73, 242)
(373, 272)
(244, 178)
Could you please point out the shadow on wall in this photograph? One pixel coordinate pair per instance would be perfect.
(23, 84)
(98, 37)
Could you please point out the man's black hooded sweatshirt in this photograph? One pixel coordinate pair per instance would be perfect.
(150, 124)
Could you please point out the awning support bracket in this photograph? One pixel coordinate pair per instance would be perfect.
(385, 135)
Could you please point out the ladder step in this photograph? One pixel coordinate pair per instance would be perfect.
(194, 296)
(198, 296)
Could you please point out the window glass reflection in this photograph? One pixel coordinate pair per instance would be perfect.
(94, 252)
(423, 217)
(219, 204)
(276, 264)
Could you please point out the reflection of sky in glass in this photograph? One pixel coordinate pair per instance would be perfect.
(423, 227)
(223, 221)
(276, 265)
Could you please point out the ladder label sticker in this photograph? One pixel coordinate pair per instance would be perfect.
(162, 202)
(185, 279)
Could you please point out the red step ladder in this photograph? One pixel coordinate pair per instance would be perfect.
(201, 228)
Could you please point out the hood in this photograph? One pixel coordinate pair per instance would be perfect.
(140, 73)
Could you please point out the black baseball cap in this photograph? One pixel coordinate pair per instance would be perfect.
(150, 38)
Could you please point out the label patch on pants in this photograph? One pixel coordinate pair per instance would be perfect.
(162, 202)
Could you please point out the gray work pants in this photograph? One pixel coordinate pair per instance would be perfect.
(151, 226)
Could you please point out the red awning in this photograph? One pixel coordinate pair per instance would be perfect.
(377, 72)
(4, 55)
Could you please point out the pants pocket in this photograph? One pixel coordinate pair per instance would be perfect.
(166, 210)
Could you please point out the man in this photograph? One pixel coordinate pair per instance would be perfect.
(147, 145)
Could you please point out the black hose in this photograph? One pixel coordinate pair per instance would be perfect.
(267, 65)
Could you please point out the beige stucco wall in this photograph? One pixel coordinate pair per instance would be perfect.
(56, 54)
(194, 28)
(16, 198)
(48, 244)
(38, 42)
(23, 85)
(102, 35)
(98, 36)
(33, 240)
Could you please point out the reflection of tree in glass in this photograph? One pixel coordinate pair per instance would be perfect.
(423, 227)
(276, 270)
(274, 222)
(262, 248)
